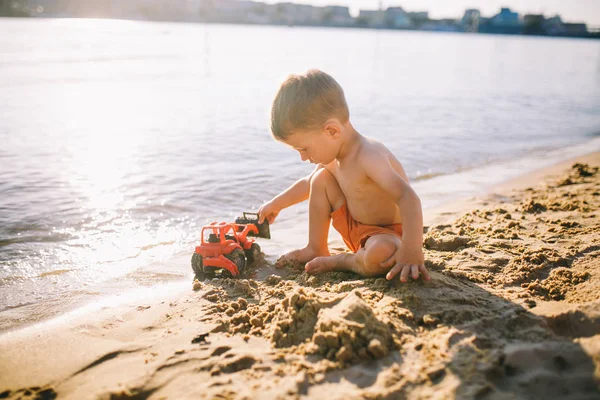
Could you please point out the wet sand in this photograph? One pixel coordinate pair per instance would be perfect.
(512, 311)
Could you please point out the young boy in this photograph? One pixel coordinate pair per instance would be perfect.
(357, 182)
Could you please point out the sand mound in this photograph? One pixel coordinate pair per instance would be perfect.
(350, 332)
(295, 319)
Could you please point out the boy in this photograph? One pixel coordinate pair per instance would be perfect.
(357, 182)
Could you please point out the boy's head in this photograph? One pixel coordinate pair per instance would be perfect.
(305, 103)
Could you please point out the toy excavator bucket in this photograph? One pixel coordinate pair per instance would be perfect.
(252, 218)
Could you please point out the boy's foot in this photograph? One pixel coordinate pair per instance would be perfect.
(301, 256)
(339, 262)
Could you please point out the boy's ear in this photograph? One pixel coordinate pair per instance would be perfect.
(332, 127)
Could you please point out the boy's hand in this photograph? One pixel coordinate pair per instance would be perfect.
(268, 211)
(406, 261)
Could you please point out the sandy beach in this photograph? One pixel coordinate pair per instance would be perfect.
(512, 311)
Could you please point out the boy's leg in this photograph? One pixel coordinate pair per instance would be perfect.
(326, 196)
(365, 262)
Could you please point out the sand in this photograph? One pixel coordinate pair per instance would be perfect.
(512, 311)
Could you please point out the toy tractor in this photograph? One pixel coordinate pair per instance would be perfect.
(226, 248)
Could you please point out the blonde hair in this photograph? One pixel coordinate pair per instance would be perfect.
(306, 102)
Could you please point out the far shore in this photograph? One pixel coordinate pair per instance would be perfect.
(595, 34)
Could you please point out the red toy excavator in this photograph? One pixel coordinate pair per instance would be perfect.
(225, 247)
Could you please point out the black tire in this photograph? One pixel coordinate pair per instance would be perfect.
(253, 253)
(197, 266)
(238, 257)
(225, 273)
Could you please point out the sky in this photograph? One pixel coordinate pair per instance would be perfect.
(587, 11)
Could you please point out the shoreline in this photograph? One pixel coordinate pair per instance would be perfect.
(516, 293)
(475, 181)
(439, 213)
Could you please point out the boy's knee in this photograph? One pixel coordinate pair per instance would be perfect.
(379, 251)
(323, 181)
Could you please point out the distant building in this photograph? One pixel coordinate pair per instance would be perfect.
(371, 18)
(396, 17)
(231, 10)
(533, 24)
(418, 18)
(259, 14)
(506, 21)
(419, 15)
(392, 17)
(337, 16)
(442, 25)
(308, 15)
(554, 26)
(470, 20)
(575, 29)
(506, 17)
(294, 14)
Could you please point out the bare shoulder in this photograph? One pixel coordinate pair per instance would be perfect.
(373, 151)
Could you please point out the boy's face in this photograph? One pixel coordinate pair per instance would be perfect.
(319, 146)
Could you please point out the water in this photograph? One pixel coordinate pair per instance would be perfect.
(120, 139)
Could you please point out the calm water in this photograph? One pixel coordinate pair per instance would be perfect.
(119, 139)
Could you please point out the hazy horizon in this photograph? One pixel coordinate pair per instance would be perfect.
(587, 11)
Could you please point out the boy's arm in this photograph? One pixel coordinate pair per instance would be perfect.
(378, 166)
(296, 193)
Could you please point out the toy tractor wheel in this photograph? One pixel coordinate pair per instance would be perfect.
(197, 266)
(238, 257)
(253, 253)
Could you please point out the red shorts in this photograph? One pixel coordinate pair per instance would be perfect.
(354, 233)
